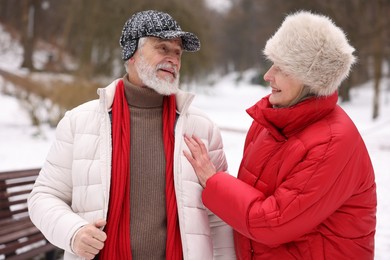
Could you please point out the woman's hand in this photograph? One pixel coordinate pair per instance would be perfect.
(199, 159)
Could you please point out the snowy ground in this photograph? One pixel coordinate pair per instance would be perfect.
(225, 103)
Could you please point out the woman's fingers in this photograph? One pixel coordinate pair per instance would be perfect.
(199, 158)
(195, 145)
(200, 143)
(189, 157)
(192, 145)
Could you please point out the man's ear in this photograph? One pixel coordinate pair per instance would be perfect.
(132, 59)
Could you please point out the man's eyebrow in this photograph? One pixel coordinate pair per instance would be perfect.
(179, 40)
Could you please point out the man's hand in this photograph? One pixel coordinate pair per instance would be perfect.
(199, 159)
(90, 240)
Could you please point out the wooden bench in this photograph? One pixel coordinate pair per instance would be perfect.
(19, 238)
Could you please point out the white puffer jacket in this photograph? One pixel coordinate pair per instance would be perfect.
(73, 186)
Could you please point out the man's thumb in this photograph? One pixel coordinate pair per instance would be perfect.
(100, 223)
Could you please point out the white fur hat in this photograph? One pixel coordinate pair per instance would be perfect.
(311, 48)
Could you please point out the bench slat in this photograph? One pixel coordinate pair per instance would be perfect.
(7, 214)
(13, 246)
(19, 234)
(14, 202)
(4, 222)
(18, 174)
(19, 238)
(14, 225)
(16, 182)
(23, 190)
(34, 252)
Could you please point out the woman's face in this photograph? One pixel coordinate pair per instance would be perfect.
(285, 88)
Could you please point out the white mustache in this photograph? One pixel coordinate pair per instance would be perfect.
(169, 67)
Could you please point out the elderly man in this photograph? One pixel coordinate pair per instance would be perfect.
(115, 184)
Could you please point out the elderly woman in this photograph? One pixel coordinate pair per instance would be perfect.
(305, 187)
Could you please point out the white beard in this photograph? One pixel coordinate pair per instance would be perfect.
(148, 75)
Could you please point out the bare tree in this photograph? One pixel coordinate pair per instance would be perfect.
(379, 21)
(28, 34)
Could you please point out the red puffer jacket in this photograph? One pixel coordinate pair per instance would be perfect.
(305, 188)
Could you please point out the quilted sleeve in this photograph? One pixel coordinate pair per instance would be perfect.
(222, 234)
(49, 201)
(315, 188)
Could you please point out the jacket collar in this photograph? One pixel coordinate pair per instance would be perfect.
(183, 99)
(285, 122)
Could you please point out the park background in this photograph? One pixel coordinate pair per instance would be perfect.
(54, 54)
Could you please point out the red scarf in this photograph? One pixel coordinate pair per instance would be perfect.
(117, 245)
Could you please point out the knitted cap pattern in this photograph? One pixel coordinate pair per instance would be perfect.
(157, 24)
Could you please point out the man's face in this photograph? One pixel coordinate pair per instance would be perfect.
(157, 63)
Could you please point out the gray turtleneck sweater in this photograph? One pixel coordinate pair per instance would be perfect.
(147, 173)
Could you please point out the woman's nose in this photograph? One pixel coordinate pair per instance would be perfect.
(267, 75)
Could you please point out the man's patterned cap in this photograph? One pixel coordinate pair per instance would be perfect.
(157, 24)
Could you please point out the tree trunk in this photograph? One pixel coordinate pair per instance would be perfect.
(344, 90)
(377, 81)
(378, 54)
(28, 33)
(64, 37)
